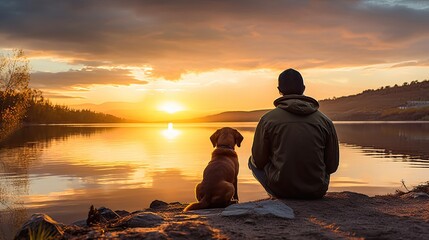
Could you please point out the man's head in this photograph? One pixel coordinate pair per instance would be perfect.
(291, 82)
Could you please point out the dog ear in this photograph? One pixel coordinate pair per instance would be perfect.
(238, 138)
(214, 137)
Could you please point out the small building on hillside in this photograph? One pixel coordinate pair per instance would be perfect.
(415, 104)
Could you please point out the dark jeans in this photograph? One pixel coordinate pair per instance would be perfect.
(260, 175)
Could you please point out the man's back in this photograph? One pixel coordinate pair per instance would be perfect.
(297, 147)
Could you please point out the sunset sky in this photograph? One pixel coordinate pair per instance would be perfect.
(193, 57)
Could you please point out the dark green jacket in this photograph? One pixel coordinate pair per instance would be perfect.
(297, 147)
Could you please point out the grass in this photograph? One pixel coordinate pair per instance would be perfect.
(423, 187)
(42, 234)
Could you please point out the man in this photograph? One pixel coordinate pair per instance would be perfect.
(295, 147)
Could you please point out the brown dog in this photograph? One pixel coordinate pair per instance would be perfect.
(219, 185)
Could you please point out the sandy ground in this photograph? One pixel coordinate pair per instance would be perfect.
(344, 215)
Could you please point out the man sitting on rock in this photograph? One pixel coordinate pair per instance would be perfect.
(295, 147)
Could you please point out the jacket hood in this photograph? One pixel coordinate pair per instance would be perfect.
(297, 104)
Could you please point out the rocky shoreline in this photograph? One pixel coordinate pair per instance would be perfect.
(337, 216)
(160, 221)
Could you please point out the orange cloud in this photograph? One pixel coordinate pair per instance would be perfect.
(176, 37)
(82, 78)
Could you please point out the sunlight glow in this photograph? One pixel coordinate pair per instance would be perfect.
(170, 132)
(171, 107)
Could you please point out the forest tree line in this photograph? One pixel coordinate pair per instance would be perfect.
(20, 104)
(41, 110)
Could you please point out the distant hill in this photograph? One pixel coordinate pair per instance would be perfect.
(233, 116)
(398, 103)
(407, 102)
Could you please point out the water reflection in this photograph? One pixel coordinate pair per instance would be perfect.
(170, 132)
(62, 170)
(406, 142)
(44, 134)
(18, 155)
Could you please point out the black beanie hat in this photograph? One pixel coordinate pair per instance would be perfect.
(291, 82)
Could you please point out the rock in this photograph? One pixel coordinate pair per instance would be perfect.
(155, 236)
(207, 212)
(101, 215)
(143, 219)
(93, 234)
(94, 217)
(122, 213)
(191, 230)
(249, 221)
(237, 212)
(415, 195)
(42, 226)
(187, 217)
(158, 204)
(346, 195)
(80, 223)
(152, 235)
(108, 214)
(267, 207)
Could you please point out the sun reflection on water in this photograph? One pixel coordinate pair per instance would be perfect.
(170, 132)
(129, 165)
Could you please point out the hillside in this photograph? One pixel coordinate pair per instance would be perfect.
(233, 116)
(406, 102)
(398, 103)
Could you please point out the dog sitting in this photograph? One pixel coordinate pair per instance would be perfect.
(219, 185)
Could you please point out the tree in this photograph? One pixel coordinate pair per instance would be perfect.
(14, 90)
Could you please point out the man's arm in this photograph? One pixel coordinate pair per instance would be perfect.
(332, 155)
(260, 147)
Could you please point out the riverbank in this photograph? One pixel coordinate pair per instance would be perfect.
(337, 216)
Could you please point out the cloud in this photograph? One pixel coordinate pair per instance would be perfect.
(82, 78)
(423, 63)
(51, 95)
(176, 37)
(414, 4)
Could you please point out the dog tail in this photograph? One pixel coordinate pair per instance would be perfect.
(197, 205)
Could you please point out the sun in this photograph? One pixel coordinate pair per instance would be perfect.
(171, 107)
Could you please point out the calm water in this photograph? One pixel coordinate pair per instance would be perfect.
(63, 169)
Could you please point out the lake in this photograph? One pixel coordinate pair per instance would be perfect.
(63, 169)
